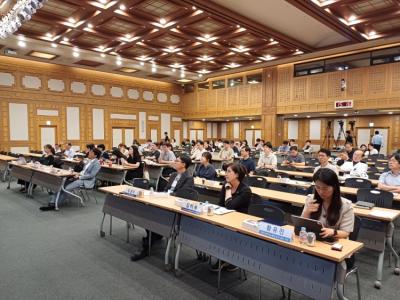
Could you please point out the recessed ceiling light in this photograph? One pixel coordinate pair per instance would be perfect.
(75, 54)
(371, 33)
(227, 120)
(184, 80)
(163, 21)
(295, 115)
(21, 44)
(352, 18)
(308, 116)
(203, 120)
(128, 36)
(118, 62)
(65, 39)
(103, 1)
(346, 115)
(122, 7)
(173, 70)
(200, 75)
(102, 55)
(207, 36)
(153, 69)
(90, 25)
(49, 35)
(127, 70)
(42, 55)
(194, 7)
(142, 63)
(71, 20)
(390, 113)
(54, 45)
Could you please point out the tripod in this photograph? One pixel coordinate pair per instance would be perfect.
(327, 137)
(341, 132)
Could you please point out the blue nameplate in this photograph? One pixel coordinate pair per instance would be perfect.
(276, 232)
(193, 207)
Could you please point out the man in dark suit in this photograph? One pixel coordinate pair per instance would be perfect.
(181, 179)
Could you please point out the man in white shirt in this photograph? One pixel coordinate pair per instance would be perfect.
(267, 159)
(323, 157)
(199, 150)
(69, 152)
(356, 168)
(371, 151)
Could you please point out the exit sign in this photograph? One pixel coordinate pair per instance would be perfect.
(343, 104)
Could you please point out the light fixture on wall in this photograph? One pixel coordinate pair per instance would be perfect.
(252, 126)
(371, 124)
(48, 122)
(21, 12)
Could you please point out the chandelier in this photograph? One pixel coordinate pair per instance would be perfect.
(21, 12)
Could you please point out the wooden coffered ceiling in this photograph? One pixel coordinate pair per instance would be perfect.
(203, 36)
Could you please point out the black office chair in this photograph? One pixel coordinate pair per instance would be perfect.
(381, 164)
(378, 197)
(270, 213)
(141, 183)
(351, 261)
(374, 175)
(187, 193)
(257, 181)
(307, 170)
(281, 187)
(287, 168)
(358, 183)
(257, 199)
(373, 169)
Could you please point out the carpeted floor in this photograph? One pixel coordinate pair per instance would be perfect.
(60, 255)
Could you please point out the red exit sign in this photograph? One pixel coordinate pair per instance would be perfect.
(343, 104)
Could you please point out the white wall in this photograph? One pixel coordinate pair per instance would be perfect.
(293, 129)
(73, 128)
(98, 124)
(18, 121)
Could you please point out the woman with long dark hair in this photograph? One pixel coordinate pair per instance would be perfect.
(134, 160)
(333, 211)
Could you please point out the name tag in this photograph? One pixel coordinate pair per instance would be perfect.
(276, 232)
(193, 207)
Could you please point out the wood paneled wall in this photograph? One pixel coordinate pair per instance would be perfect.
(374, 87)
(32, 83)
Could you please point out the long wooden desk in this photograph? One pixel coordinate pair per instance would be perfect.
(4, 160)
(377, 230)
(45, 176)
(224, 238)
(33, 155)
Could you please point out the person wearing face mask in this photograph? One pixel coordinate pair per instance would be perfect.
(356, 167)
(206, 170)
(323, 157)
(133, 160)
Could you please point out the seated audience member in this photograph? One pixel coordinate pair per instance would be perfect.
(133, 160)
(235, 194)
(349, 137)
(284, 148)
(342, 158)
(295, 158)
(213, 145)
(219, 144)
(390, 181)
(147, 146)
(292, 142)
(260, 145)
(268, 159)
(166, 155)
(327, 206)
(174, 144)
(349, 149)
(247, 161)
(123, 149)
(258, 140)
(363, 148)
(80, 165)
(206, 170)
(118, 157)
(86, 178)
(138, 145)
(323, 157)
(226, 152)
(155, 152)
(179, 180)
(356, 167)
(47, 158)
(88, 148)
(307, 147)
(207, 146)
(235, 147)
(243, 144)
(104, 155)
(196, 155)
(371, 151)
(69, 152)
(57, 149)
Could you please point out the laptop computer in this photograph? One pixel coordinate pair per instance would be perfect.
(311, 226)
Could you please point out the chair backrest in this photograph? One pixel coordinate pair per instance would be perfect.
(378, 197)
(257, 181)
(141, 183)
(358, 183)
(281, 187)
(381, 164)
(187, 193)
(287, 168)
(374, 175)
(307, 170)
(268, 212)
(373, 169)
(257, 199)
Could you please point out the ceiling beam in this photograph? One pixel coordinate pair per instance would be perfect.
(327, 19)
(253, 26)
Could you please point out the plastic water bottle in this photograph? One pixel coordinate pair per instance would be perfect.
(303, 236)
